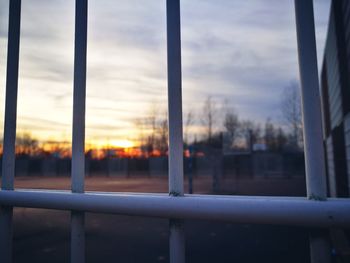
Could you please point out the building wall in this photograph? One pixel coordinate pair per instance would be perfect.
(347, 147)
(335, 88)
(330, 167)
(346, 21)
(333, 74)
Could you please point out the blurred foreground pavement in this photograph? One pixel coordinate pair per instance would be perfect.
(44, 235)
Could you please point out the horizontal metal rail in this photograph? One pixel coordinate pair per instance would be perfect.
(296, 211)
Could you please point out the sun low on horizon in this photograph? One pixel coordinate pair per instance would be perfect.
(122, 144)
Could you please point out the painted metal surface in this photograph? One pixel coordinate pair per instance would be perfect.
(320, 250)
(293, 211)
(176, 181)
(311, 101)
(8, 161)
(176, 178)
(78, 140)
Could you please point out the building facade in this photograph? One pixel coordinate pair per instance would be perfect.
(335, 87)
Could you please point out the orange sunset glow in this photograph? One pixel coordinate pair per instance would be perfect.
(126, 85)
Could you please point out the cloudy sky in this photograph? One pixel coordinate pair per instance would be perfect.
(244, 52)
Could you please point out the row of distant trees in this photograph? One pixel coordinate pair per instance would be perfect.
(27, 145)
(219, 123)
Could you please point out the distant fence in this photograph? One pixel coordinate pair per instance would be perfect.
(258, 164)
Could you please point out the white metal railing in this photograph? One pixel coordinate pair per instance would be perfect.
(313, 211)
(235, 209)
(78, 141)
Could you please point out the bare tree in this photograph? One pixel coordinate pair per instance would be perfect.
(281, 139)
(26, 144)
(147, 127)
(152, 122)
(162, 132)
(231, 124)
(140, 126)
(209, 117)
(270, 135)
(188, 123)
(291, 113)
(250, 131)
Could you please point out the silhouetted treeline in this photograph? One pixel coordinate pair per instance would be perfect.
(216, 124)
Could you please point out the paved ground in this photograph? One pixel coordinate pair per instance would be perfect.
(43, 235)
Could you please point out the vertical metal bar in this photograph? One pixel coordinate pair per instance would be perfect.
(77, 237)
(311, 102)
(8, 161)
(312, 120)
(320, 248)
(174, 98)
(177, 241)
(6, 213)
(78, 141)
(176, 188)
